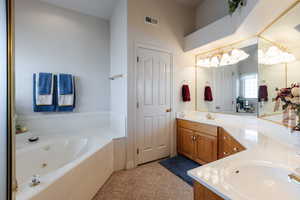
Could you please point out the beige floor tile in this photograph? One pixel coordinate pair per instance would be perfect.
(147, 182)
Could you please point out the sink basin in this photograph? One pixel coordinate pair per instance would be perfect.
(260, 180)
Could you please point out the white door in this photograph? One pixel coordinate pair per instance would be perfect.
(225, 85)
(154, 105)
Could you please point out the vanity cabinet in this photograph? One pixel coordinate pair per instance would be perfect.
(205, 143)
(202, 193)
(196, 141)
(228, 145)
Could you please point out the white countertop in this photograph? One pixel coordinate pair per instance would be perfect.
(269, 146)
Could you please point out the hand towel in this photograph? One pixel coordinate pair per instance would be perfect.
(41, 96)
(43, 108)
(263, 93)
(65, 84)
(208, 94)
(45, 83)
(186, 95)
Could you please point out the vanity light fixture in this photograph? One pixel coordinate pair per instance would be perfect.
(223, 59)
(274, 56)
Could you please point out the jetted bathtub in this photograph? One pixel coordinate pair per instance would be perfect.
(69, 167)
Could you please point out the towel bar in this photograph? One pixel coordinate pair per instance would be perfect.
(116, 77)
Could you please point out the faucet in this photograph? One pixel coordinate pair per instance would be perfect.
(295, 176)
(35, 180)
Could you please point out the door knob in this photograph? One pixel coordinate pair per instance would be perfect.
(169, 110)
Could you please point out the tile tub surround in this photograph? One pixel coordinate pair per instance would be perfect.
(266, 143)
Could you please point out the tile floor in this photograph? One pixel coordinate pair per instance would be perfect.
(147, 182)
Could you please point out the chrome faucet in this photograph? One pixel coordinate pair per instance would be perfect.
(35, 180)
(295, 176)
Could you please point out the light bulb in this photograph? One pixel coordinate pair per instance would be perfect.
(288, 57)
(214, 62)
(273, 51)
(225, 59)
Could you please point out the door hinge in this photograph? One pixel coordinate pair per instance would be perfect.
(137, 59)
(137, 105)
(137, 151)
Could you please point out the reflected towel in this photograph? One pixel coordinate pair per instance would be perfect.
(186, 95)
(208, 94)
(263, 93)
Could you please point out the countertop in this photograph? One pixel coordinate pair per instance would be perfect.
(268, 144)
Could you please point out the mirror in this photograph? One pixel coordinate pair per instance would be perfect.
(227, 80)
(279, 62)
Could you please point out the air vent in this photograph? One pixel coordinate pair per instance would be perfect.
(151, 20)
(297, 27)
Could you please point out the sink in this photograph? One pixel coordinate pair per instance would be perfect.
(261, 180)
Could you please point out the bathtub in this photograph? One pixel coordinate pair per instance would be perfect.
(70, 167)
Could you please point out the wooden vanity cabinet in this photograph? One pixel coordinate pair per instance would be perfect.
(202, 193)
(228, 145)
(196, 141)
(204, 144)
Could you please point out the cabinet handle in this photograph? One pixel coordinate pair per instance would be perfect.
(192, 137)
(225, 138)
(235, 149)
(225, 153)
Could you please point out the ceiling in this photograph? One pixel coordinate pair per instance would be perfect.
(190, 2)
(98, 8)
(284, 31)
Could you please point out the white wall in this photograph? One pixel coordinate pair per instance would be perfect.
(3, 103)
(175, 21)
(118, 58)
(53, 39)
(209, 11)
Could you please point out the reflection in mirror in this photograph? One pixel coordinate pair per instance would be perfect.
(227, 80)
(279, 62)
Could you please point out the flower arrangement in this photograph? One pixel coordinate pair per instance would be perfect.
(290, 98)
(234, 4)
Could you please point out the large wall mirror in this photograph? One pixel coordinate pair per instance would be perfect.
(279, 63)
(227, 79)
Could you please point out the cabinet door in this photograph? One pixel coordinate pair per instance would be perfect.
(202, 193)
(187, 142)
(228, 145)
(206, 148)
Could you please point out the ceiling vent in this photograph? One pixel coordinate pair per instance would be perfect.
(151, 20)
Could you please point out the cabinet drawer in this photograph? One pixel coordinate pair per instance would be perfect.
(203, 128)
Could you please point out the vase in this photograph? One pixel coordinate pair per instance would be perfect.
(297, 127)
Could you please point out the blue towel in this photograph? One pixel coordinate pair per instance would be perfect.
(67, 108)
(45, 83)
(50, 108)
(65, 84)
